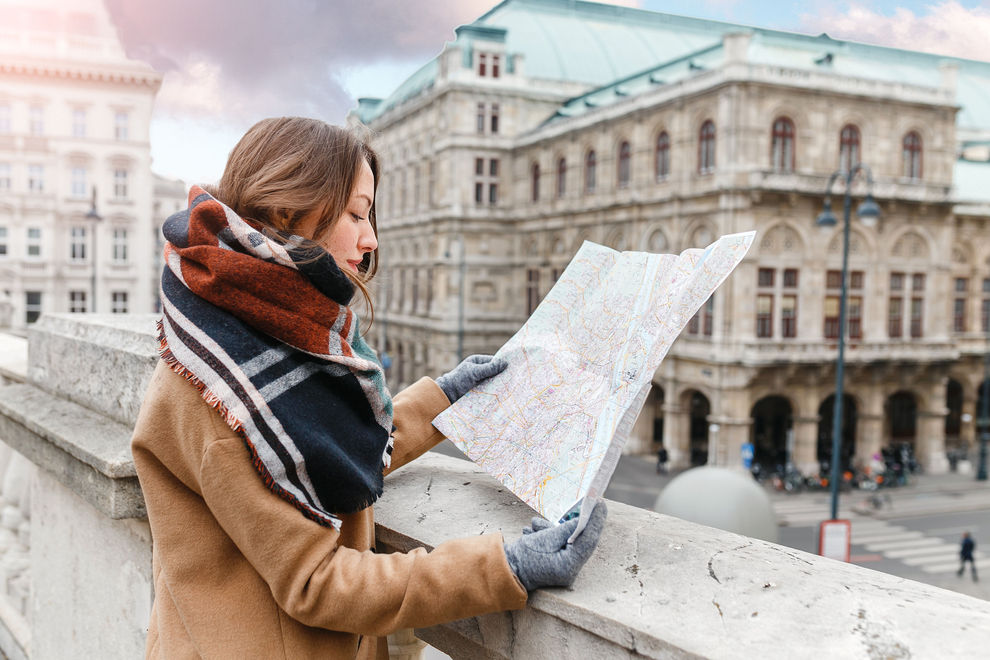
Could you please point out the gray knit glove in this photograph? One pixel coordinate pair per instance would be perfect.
(469, 373)
(543, 558)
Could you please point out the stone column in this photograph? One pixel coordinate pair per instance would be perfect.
(869, 436)
(930, 441)
(805, 455)
(725, 445)
(676, 432)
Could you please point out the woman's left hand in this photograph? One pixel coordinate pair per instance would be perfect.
(469, 373)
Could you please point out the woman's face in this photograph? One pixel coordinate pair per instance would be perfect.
(351, 236)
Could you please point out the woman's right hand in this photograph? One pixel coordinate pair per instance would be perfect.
(542, 557)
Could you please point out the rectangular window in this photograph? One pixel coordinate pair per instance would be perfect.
(765, 277)
(532, 289)
(79, 123)
(479, 166)
(831, 317)
(494, 118)
(856, 279)
(77, 244)
(4, 118)
(897, 281)
(4, 176)
(790, 278)
(854, 311)
(479, 193)
(916, 318)
(119, 302)
(493, 167)
(415, 290)
(429, 290)
(78, 182)
(120, 245)
(77, 301)
(959, 315)
(959, 305)
(32, 306)
(833, 279)
(694, 325)
(33, 242)
(36, 178)
(121, 120)
(120, 184)
(788, 316)
(36, 120)
(493, 193)
(918, 282)
(482, 65)
(895, 317)
(708, 316)
(985, 315)
(495, 66)
(764, 316)
(3, 241)
(480, 123)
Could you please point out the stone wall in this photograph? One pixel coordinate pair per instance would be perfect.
(75, 546)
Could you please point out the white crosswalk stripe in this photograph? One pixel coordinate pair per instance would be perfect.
(931, 554)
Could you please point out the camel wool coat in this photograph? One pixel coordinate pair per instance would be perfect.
(241, 573)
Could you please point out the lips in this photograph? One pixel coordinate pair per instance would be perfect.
(354, 264)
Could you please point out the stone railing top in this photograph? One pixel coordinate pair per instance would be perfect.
(659, 587)
(13, 357)
(101, 361)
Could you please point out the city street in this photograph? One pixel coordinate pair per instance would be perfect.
(914, 534)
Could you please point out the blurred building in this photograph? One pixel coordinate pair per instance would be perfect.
(548, 122)
(74, 118)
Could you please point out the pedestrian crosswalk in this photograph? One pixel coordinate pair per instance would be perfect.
(883, 539)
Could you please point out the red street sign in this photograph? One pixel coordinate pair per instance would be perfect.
(834, 538)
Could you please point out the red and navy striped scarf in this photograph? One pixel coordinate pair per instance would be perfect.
(264, 331)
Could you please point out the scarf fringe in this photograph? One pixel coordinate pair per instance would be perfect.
(237, 427)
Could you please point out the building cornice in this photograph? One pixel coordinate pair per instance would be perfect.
(98, 73)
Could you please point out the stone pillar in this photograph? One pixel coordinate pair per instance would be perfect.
(869, 436)
(930, 441)
(805, 456)
(676, 435)
(725, 445)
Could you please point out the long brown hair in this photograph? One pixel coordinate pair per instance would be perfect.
(286, 168)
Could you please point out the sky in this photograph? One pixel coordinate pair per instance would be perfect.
(229, 63)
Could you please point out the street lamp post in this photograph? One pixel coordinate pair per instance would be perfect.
(95, 217)
(981, 472)
(868, 211)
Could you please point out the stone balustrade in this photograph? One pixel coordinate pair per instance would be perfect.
(75, 547)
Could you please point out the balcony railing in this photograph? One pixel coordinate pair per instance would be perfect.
(657, 587)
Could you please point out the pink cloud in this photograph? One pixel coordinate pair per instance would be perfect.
(947, 28)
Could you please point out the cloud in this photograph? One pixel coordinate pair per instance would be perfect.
(947, 28)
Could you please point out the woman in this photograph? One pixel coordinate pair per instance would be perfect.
(267, 428)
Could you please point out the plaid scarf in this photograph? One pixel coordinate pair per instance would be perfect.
(264, 331)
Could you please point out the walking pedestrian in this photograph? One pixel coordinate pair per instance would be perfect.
(267, 427)
(662, 460)
(966, 555)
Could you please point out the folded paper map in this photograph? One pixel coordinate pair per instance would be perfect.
(551, 427)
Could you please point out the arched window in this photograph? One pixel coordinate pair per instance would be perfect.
(912, 155)
(782, 146)
(662, 156)
(590, 166)
(623, 163)
(848, 147)
(561, 177)
(535, 182)
(706, 147)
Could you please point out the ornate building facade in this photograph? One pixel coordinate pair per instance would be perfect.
(549, 122)
(74, 121)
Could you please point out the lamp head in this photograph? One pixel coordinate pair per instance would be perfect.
(868, 211)
(827, 218)
(93, 215)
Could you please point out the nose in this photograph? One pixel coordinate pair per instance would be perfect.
(367, 241)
